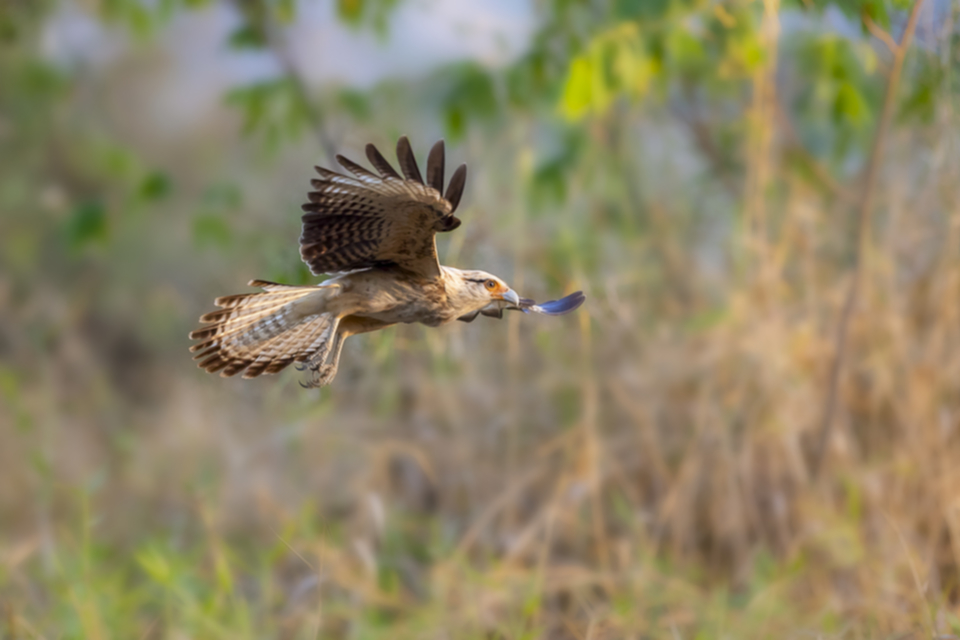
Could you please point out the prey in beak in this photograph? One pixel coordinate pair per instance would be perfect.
(509, 300)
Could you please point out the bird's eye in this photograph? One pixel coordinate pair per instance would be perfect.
(491, 284)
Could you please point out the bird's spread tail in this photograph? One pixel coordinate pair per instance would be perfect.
(263, 332)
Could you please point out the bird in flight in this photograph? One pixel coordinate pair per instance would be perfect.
(375, 235)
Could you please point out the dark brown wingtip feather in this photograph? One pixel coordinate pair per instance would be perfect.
(203, 334)
(449, 224)
(206, 352)
(234, 300)
(435, 163)
(232, 368)
(408, 162)
(255, 369)
(278, 365)
(354, 168)
(381, 164)
(455, 188)
(214, 363)
(215, 316)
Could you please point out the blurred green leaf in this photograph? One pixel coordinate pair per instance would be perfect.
(223, 196)
(21, 247)
(38, 80)
(273, 108)
(356, 103)
(41, 464)
(139, 17)
(285, 11)
(876, 10)
(156, 565)
(646, 9)
(744, 55)
(155, 186)
(87, 224)
(454, 123)
(577, 95)
(350, 11)
(9, 384)
(211, 230)
(839, 107)
(375, 13)
(530, 81)
(921, 101)
(850, 106)
(684, 50)
(116, 161)
(8, 28)
(469, 96)
(615, 63)
(247, 37)
(549, 180)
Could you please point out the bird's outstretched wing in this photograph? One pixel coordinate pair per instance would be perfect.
(369, 220)
(552, 308)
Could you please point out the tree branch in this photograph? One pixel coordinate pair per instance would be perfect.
(291, 70)
(879, 33)
(863, 223)
(257, 15)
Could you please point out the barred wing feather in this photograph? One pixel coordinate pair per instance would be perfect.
(368, 220)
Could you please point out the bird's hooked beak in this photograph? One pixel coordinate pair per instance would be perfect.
(510, 296)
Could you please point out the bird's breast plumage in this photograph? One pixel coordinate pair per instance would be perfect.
(394, 295)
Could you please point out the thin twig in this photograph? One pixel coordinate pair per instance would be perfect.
(921, 589)
(258, 17)
(880, 34)
(292, 550)
(863, 220)
(291, 70)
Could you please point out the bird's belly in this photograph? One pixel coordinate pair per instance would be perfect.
(410, 312)
(389, 298)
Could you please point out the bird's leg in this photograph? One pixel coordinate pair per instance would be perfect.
(323, 364)
(326, 373)
(315, 362)
(323, 372)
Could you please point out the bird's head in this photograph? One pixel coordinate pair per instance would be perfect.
(479, 289)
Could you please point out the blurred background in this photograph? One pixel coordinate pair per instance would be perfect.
(750, 429)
